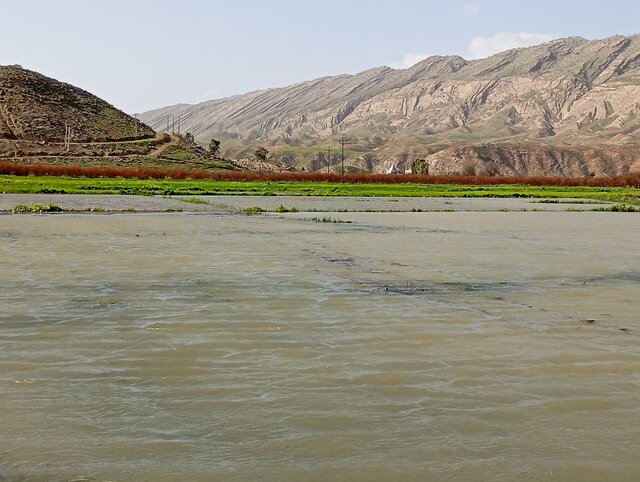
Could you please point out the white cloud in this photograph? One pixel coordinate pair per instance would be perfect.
(482, 47)
(409, 60)
(471, 9)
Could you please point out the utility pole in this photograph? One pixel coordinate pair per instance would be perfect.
(343, 141)
(167, 123)
(67, 137)
(329, 160)
(135, 120)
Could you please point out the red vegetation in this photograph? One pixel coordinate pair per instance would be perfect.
(17, 169)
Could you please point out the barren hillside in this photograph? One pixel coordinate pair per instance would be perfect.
(569, 107)
(35, 107)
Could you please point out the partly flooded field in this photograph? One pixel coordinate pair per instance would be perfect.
(228, 204)
(202, 346)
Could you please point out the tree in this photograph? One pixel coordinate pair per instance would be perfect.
(468, 168)
(214, 147)
(189, 138)
(261, 154)
(369, 161)
(420, 166)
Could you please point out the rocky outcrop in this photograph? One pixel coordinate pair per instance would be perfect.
(533, 160)
(573, 104)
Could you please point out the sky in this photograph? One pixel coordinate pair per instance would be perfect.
(145, 54)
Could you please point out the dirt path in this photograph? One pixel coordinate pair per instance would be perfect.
(157, 151)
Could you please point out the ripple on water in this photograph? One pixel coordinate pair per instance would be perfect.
(453, 348)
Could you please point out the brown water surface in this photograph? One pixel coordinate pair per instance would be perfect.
(400, 346)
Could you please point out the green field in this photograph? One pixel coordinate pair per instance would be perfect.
(69, 185)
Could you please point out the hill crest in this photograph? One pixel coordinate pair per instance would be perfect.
(38, 108)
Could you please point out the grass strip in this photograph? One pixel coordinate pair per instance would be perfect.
(171, 187)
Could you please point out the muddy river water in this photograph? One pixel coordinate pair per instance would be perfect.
(491, 346)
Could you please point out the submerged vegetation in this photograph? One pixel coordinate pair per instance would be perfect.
(194, 200)
(36, 208)
(252, 210)
(327, 219)
(619, 208)
(282, 209)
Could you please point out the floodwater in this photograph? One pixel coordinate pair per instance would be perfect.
(492, 346)
(228, 204)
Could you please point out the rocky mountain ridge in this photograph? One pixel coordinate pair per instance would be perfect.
(571, 104)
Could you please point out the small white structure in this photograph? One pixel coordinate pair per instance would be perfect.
(393, 170)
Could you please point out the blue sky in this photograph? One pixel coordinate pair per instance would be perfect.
(143, 54)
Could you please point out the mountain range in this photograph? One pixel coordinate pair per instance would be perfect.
(567, 107)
